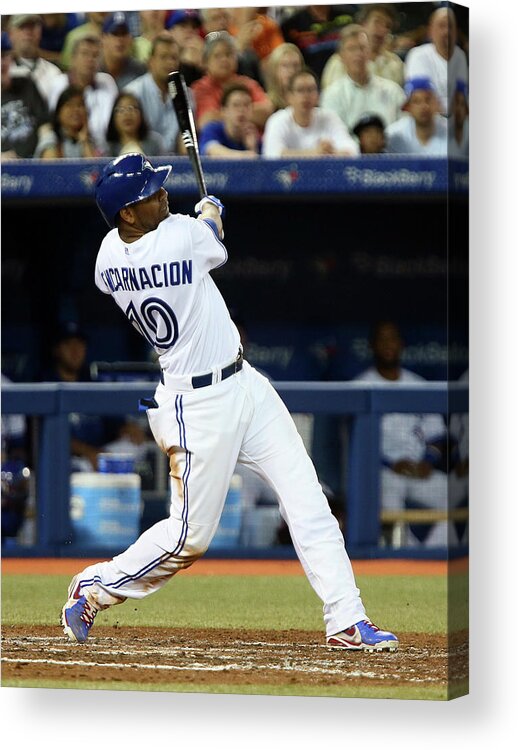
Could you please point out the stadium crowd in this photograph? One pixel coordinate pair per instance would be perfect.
(316, 80)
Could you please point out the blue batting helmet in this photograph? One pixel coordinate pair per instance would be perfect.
(126, 180)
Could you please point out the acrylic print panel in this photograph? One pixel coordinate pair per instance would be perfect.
(347, 277)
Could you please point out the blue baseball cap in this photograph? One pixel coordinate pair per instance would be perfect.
(6, 42)
(116, 22)
(418, 84)
(180, 16)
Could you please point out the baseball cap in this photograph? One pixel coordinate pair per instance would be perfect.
(6, 42)
(116, 22)
(179, 16)
(418, 84)
(69, 330)
(366, 121)
(24, 18)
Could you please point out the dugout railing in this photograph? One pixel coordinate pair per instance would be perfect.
(52, 403)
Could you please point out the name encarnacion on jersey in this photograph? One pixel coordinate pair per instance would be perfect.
(156, 276)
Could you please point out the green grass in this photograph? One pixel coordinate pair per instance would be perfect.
(401, 603)
(393, 692)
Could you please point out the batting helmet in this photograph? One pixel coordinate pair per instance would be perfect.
(126, 180)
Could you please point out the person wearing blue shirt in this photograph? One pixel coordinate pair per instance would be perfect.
(234, 136)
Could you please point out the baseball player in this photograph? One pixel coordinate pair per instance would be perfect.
(210, 410)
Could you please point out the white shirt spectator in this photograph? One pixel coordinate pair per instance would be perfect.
(42, 72)
(158, 112)
(456, 149)
(401, 138)
(386, 65)
(425, 61)
(405, 436)
(99, 100)
(350, 100)
(282, 132)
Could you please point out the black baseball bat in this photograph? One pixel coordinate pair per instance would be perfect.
(185, 117)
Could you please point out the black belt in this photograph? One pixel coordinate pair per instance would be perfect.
(200, 381)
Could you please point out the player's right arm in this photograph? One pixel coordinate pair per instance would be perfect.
(210, 209)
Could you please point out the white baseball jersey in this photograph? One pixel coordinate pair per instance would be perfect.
(282, 132)
(162, 284)
(444, 74)
(401, 138)
(404, 436)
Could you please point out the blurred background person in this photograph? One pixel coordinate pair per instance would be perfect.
(263, 33)
(24, 113)
(99, 89)
(25, 34)
(458, 122)
(412, 445)
(234, 136)
(302, 128)
(55, 27)
(152, 23)
(93, 26)
(220, 59)
(370, 132)
(185, 28)
(128, 130)
(422, 130)
(220, 19)
(315, 29)
(69, 137)
(441, 60)
(379, 21)
(358, 91)
(284, 61)
(117, 51)
(151, 90)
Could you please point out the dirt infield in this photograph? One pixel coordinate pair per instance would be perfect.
(232, 657)
(69, 566)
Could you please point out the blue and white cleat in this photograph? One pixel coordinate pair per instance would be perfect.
(77, 617)
(364, 636)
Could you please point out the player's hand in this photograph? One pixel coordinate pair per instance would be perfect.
(212, 200)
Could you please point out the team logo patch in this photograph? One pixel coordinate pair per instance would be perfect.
(287, 177)
(89, 177)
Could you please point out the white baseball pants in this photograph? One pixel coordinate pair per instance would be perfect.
(205, 432)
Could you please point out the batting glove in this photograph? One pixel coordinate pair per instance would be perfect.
(210, 199)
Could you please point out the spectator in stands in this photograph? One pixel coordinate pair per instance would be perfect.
(412, 445)
(128, 131)
(25, 34)
(370, 132)
(358, 91)
(422, 130)
(69, 137)
(284, 61)
(219, 19)
(117, 44)
(441, 60)
(152, 91)
(458, 122)
(315, 29)
(69, 365)
(263, 34)
(24, 113)
(184, 26)
(220, 58)
(92, 27)
(55, 27)
(378, 20)
(99, 89)
(234, 136)
(458, 476)
(302, 128)
(152, 23)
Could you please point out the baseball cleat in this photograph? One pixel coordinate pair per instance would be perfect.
(77, 617)
(364, 636)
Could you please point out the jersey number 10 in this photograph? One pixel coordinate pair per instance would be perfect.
(155, 321)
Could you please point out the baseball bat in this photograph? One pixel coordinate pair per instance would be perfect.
(185, 117)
